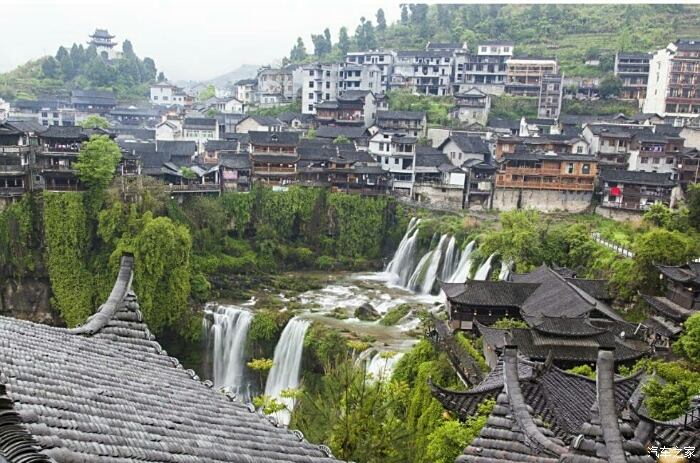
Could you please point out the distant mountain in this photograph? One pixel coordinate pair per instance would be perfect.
(245, 71)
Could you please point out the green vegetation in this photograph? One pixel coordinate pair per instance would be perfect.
(394, 420)
(571, 33)
(97, 162)
(473, 352)
(93, 121)
(688, 344)
(394, 315)
(20, 226)
(81, 68)
(507, 323)
(512, 107)
(583, 370)
(436, 108)
(274, 111)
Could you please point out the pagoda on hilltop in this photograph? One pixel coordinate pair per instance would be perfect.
(102, 40)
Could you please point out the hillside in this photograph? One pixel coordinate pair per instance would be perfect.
(244, 71)
(79, 67)
(571, 33)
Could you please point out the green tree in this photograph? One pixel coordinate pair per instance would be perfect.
(343, 41)
(97, 162)
(689, 342)
(694, 205)
(404, 14)
(93, 121)
(610, 86)
(341, 139)
(208, 92)
(659, 246)
(50, 68)
(448, 441)
(381, 21)
(298, 52)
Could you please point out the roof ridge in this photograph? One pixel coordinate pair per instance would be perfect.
(19, 445)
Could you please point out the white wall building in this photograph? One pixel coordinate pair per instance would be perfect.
(167, 94)
(319, 83)
(396, 154)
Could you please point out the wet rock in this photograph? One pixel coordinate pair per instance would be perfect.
(29, 299)
(366, 312)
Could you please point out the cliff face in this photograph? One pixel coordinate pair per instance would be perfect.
(28, 299)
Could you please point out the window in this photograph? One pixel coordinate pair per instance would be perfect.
(644, 160)
(669, 160)
(570, 168)
(311, 84)
(328, 84)
(328, 96)
(155, 97)
(506, 49)
(310, 107)
(44, 114)
(311, 96)
(586, 169)
(579, 149)
(656, 160)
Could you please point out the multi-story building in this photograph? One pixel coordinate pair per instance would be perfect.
(396, 153)
(471, 106)
(425, 72)
(356, 77)
(353, 107)
(200, 130)
(93, 101)
(273, 156)
(413, 123)
(550, 96)
(545, 180)
(382, 59)
(319, 83)
(167, 94)
(633, 70)
(285, 81)
(244, 90)
(486, 69)
(634, 190)
(524, 75)
(652, 152)
(54, 111)
(673, 89)
(611, 143)
(18, 147)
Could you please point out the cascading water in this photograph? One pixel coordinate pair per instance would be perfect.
(484, 270)
(461, 273)
(286, 365)
(505, 270)
(424, 275)
(226, 328)
(381, 365)
(450, 262)
(400, 265)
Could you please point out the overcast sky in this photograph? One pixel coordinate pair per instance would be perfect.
(191, 39)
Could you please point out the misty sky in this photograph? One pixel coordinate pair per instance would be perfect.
(193, 39)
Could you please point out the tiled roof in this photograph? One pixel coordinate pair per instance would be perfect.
(107, 392)
(266, 120)
(177, 147)
(687, 273)
(489, 293)
(330, 131)
(274, 138)
(235, 161)
(401, 115)
(469, 144)
(596, 288)
(668, 308)
(636, 177)
(553, 296)
(221, 145)
(206, 123)
(71, 132)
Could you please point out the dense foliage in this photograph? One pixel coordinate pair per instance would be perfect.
(97, 162)
(572, 33)
(20, 225)
(80, 68)
(436, 108)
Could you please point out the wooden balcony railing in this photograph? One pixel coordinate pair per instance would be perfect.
(195, 187)
(538, 185)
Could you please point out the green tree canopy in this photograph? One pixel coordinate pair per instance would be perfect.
(689, 343)
(610, 86)
(97, 162)
(93, 121)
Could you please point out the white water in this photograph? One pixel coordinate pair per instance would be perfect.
(450, 262)
(381, 365)
(461, 273)
(484, 270)
(505, 270)
(286, 365)
(227, 335)
(400, 265)
(424, 275)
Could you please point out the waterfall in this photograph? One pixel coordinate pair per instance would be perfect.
(400, 265)
(461, 273)
(448, 264)
(286, 364)
(226, 328)
(505, 270)
(425, 273)
(381, 366)
(484, 270)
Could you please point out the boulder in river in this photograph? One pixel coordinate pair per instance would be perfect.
(367, 313)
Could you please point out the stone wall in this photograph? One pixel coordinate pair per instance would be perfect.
(506, 199)
(451, 197)
(621, 215)
(29, 299)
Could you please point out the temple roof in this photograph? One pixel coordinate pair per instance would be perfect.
(688, 273)
(535, 417)
(107, 392)
(489, 293)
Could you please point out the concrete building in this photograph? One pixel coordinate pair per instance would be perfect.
(486, 69)
(244, 90)
(382, 59)
(634, 191)
(319, 83)
(471, 106)
(356, 77)
(424, 72)
(633, 70)
(396, 153)
(550, 96)
(285, 81)
(673, 89)
(524, 75)
(167, 94)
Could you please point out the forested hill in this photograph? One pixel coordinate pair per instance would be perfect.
(572, 33)
(80, 67)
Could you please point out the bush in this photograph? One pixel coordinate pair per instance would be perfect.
(326, 263)
(201, 288)
(471, 351)
(394, 315)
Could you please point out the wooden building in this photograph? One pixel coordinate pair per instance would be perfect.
(547, 171)
(634, 191)
(273, 156)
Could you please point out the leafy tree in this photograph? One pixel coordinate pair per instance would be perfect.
(311, 133)
(128, 49)
(694, 206)
(610, 86)
(448, 441)
(161, 77)
(659, 246)
(262, 367)
(343, 41)
(341, 139)
(208, 92)
(507, 323)
(93, 121)
(97, 162)
(298, 52)
(583, 370)
(689, 342)
(50, 68)
(404, 14)
(381, 21)
(519, 240)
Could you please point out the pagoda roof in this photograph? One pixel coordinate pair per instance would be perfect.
(102, 34)
(687, 273)
(668, 308)
(107, 391)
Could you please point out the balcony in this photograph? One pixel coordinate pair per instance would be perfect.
(11, 191)
(15, 150)
(194, 188)
(540, 185)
